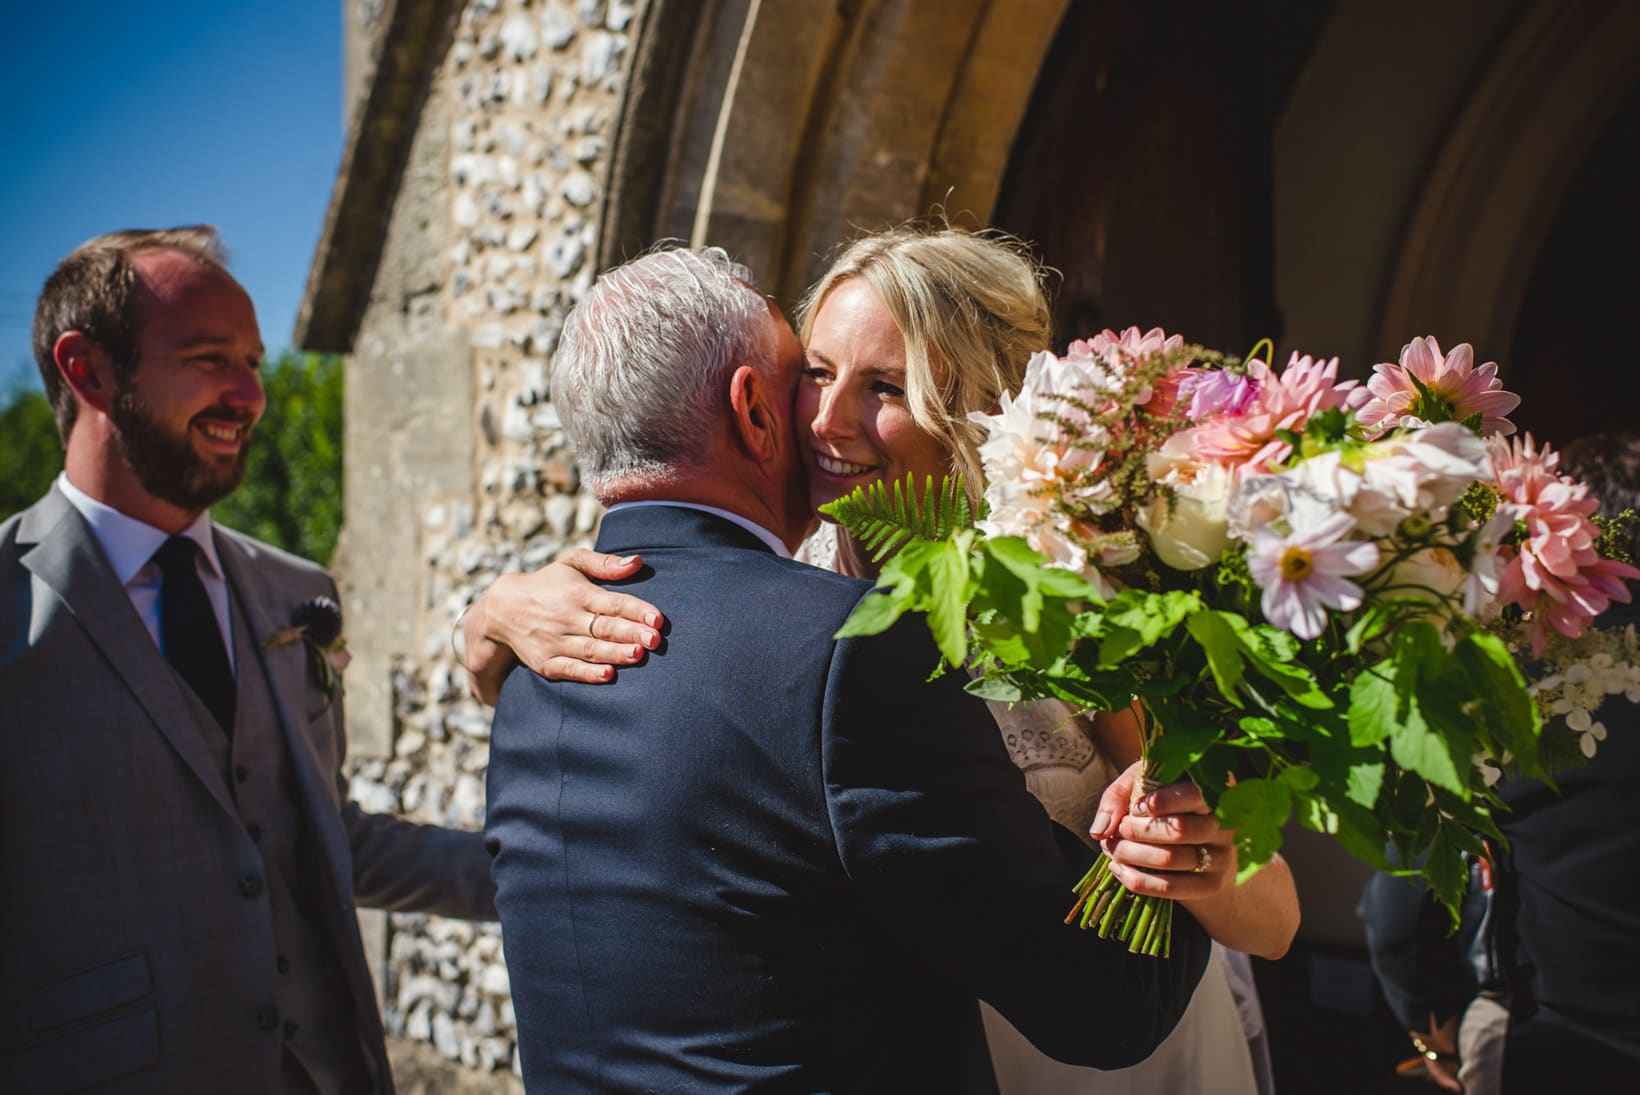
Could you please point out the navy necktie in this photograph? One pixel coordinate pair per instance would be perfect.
(189, 632)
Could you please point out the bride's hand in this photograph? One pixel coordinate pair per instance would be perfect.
(558, 623)
(1157, 847)
(1168, 844)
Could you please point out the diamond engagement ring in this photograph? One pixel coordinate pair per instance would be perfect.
(1204, 859)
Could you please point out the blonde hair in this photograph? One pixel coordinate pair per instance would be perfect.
(972, 309)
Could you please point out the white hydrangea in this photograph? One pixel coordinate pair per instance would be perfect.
(1601, 665)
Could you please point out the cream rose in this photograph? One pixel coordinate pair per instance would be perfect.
(1192, 532)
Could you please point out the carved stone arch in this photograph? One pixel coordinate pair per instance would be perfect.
(791, 125)
(1504, 166)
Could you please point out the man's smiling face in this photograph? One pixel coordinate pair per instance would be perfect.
(184, 414)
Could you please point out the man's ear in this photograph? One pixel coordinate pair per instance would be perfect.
(755, 426)
(86, 368)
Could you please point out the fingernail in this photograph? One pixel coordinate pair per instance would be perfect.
(651, 639)
(653, 619)
(637, 652)
(629, 560)
(1101, 825)
(1142, 807)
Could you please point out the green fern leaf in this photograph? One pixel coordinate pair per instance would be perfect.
(885, 522)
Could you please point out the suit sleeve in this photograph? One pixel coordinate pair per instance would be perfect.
(408, 867)
(938, 833)
(1420, 964)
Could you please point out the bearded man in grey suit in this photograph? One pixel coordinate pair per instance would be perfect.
(178, 858)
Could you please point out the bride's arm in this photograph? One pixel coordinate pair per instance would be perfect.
(557, 622)
(1115, 734)
(1157, 851)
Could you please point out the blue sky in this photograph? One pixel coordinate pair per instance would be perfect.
(125, 114)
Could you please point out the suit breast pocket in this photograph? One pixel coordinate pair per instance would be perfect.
(88, 1027)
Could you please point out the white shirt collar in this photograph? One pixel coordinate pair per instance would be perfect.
(750, 526)
(128, 543)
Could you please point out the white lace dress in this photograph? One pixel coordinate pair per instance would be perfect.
(1207, 1053)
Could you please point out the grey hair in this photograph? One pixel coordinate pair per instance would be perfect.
(641, 374)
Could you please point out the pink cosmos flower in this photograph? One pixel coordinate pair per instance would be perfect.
(1452, 378)
(1557, 574)
(1308, 572)
(1247, 441)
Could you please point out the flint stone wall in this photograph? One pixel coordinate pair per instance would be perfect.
(457, 467)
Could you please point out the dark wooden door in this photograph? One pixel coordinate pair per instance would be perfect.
(1142, 169)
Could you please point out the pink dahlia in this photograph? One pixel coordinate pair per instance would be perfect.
(1457, 387)
(1131, 345)
(1556, 573)
(1117, 354)
(1247, 440)
(1308, 572)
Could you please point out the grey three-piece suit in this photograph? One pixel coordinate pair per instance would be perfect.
(177, 906)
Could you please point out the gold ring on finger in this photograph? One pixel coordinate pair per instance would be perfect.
(1204, 860)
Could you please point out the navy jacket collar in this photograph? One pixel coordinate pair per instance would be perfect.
(650, 527)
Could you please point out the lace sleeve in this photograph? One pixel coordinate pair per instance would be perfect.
(820, 549)
(1051, 745)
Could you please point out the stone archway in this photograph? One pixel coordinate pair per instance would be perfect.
(793, 124)
(1497, 182)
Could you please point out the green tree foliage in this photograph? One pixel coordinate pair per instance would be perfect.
(292, 494)
(30, 454)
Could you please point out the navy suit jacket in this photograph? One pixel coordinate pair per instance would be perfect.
(771, 860)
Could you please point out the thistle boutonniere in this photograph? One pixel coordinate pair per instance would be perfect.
(318, 624)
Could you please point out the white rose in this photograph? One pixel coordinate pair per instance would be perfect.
(1193, 532)
(1193, 536)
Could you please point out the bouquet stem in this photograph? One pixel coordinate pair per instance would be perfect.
(1106, 906)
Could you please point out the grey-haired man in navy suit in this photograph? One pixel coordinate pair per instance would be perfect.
(769, 860)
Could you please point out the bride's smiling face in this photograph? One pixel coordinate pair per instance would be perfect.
(854, 424)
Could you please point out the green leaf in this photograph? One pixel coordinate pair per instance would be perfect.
(1299, 778)
(1443, 758)
(1374, 706)
(999, 689)
(948, 597)
(1256, 809)
(1406, 805)
(1272, 652)
(1003, 641)
(1183, 737)
(1506, 708)
(875, 614)
(1259, 727)
(1223, 649)
(883, 522)
(1446, 870)
(1369, 626)
(1151, 615)
(1358, 771)
(1360, 833)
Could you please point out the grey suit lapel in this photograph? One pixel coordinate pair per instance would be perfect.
(285, 666)
(65, 556)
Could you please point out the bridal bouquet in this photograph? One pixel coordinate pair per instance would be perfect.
(1324, 600)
